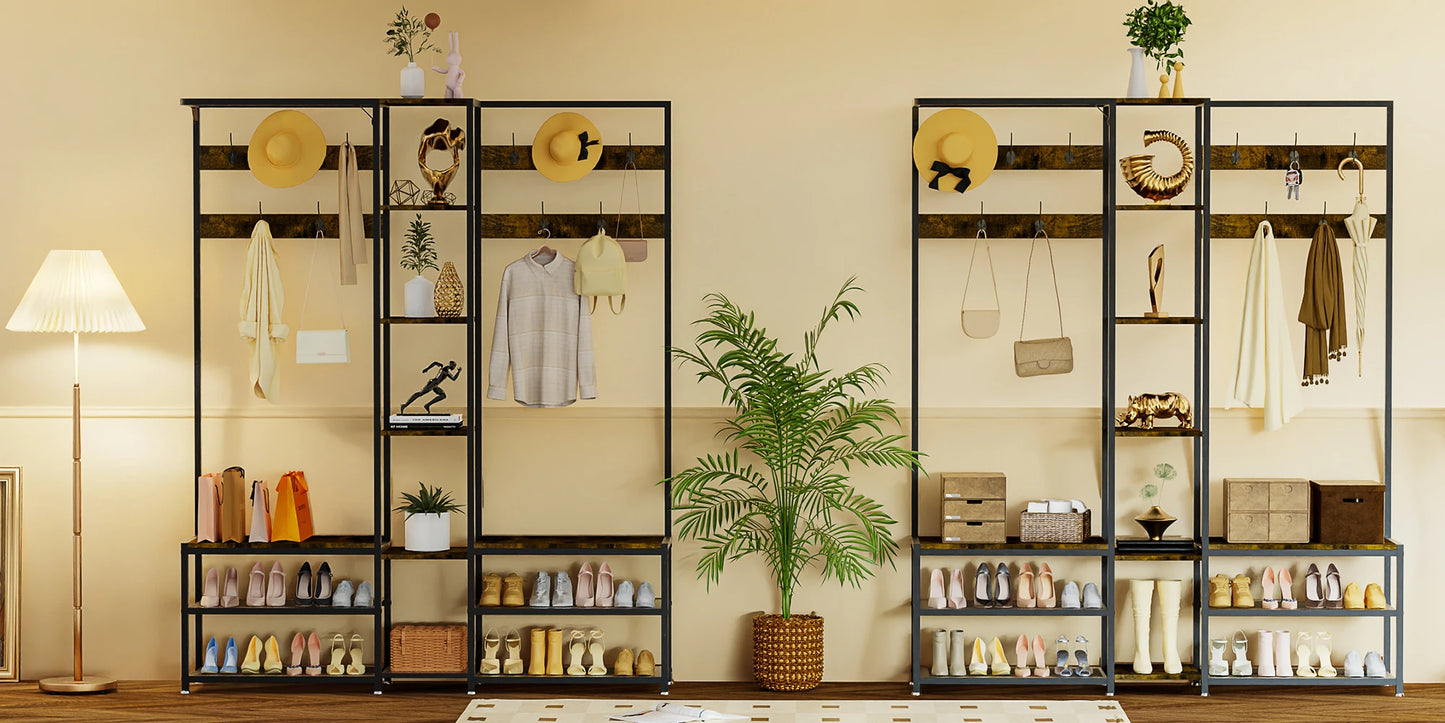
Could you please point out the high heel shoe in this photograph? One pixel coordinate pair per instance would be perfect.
(1240, 587)
(1375, 597)
(209, 663)
(1046, 588)
(337, 666)
(513, 663)
(1333, 592)
(1219, 591)
(230, 665)
(1242, 667)
(596, 650)
(211, 590)
(298, 649)
(256, 587)
(303, 585)
(252, 664)
(1002, 591)
(313, 649)
(999, 664)
(1061, 657)
(957, 599)
(981, 596)
(1304, 651)
(586, 595)
(1021, 656)
(1217, 666)
(604, 592)
(272, 662)
(979, 664)
(1287, 600)
(491, 648)
(1081, 658)
(1325, 650)
(322, 596)
(1025, 586)
(1041, 668)
(1354, 598)
(577, 644)
(356, 666)
(276, 587)
(937, 599)
(1267, 600)
(1314, 588)
(230, 592)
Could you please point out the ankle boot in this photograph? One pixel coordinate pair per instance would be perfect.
(554, 651)
(1282, 668)
(1141, 596)
(957, 653)
(940, 653)
(537, 652)
(1169, 591)
(1265, 649)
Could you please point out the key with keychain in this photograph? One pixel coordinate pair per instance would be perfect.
(1293, 178)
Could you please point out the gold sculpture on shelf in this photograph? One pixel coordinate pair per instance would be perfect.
(1139, 170)
(441, 135)
(449, 295)
(1156, 284)
(1145, 408)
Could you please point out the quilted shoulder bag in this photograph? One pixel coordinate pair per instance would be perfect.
(980, 323)
(1037, 357)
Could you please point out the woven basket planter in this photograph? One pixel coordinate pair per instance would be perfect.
(788, 652)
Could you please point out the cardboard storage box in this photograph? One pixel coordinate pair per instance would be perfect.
(1266, 510)
(973, 485)
(1348, 511)
(973, 531)
(973, 510)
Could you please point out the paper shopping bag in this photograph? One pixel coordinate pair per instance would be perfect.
(208, 508)
(260, 513)
(233, 504)
(292, 517)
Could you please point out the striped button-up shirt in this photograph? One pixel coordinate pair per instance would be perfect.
(544, 334)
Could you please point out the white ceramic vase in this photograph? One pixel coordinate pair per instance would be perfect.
(413, 81)
(419, 297)
(1138, 87)
(429, 532)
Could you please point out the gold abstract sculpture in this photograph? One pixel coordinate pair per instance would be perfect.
(449, 295)
(441, 135)
(1145, 408)
(1156, 284)
(1139, 170)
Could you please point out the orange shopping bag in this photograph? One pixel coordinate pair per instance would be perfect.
(208, 508)
(291, 519)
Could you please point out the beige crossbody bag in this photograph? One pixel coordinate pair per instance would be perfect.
(1037, 357)
(979, 323)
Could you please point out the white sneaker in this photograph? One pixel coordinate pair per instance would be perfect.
(542, 591)
(363, 596)
(646, 598)
(624, 595)
(341, 596)
(562, 591)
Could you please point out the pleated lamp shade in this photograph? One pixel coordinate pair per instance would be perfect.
(75, 292)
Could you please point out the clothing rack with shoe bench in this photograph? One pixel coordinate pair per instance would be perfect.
(378, 546)
(1203, 550)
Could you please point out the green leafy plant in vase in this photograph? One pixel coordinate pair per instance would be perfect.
(782, 491)
(410, 36)
(1156, 29)
(428, 518)
(419, 254)
(1156, 521)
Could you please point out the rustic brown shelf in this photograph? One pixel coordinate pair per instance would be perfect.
(283, 225)
(441, 432)
(1276, 158)
(614, 157)
(1157, 432)
(337, 544)
(1219, 545)
(397, 553)
(423, 319)
(1286, 226)
(1124, 673)
(935, 543)
(566, 225)
(502, 543)
(424, 207)
(1009, 225)
(1125, 320)
(1049, 158)
(1159, 207)
(218, 158)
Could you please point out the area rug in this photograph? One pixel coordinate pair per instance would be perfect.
(810, 711)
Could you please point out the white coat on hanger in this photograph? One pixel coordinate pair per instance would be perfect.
(262, 301)
(1264, 375)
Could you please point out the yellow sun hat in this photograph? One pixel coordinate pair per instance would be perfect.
(286, 149)
(955, 149)
(567, 147)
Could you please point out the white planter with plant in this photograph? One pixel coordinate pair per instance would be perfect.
(410, 36)
(428, 524)
(419, 254)
(1156, 29)
(783, 490)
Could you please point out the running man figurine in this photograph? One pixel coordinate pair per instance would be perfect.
(448, 372)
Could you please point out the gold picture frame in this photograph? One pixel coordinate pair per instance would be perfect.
(9, 574)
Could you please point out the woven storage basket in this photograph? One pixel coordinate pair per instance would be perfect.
(1054, 526)
(429, 648)
(788, 652)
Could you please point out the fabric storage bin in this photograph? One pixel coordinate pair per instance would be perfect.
(978, 531)
(973, 485)
(429, 648)
(1258, 510)
(1348, 511)
(1065, 527)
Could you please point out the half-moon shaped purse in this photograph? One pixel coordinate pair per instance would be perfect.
(979, 323)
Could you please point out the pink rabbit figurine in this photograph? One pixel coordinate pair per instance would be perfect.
(455, 74)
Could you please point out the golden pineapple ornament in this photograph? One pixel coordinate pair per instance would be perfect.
(450, 295)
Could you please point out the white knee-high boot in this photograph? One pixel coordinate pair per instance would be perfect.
(1169, 624)
(1141, 595)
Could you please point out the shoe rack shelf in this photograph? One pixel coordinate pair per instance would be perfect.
(1015, 612)
(567, 612)
(1096, 678)
(374, 159)
(1113, 549)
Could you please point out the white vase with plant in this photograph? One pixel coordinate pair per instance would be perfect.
(419, 254)
(1156, 29)
(410, 36)
(428, 524)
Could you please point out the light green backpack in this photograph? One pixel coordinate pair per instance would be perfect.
(601, 270)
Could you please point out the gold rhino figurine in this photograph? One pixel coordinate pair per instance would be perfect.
(1145, 408)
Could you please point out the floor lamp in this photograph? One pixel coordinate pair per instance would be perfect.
(75, 293)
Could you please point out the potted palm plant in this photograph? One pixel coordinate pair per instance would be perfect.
(782, 491)
(428, 522)
(419, 254)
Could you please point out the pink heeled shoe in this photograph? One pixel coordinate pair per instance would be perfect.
(604, 595)
(1041, 666)
(1287, 600)
(1025, 597)
(298, 648)
(585, 595)
(256, 587)
(211, 589)
(1266, 584)
(956, 597)
(1045, 595)
(276, 587)
(937, 595)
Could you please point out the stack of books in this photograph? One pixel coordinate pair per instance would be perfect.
(426, 421)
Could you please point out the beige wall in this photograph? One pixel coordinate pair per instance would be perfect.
(790, 123)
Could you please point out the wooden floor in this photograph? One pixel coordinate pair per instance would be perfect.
(161, 701)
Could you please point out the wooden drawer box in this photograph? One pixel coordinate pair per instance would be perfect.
(1266, 510)
(973, 511)
(1348, 511)
(973, 486)
(973, 532)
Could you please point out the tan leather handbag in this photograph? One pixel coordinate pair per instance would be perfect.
(1038, 357)
(979, 323)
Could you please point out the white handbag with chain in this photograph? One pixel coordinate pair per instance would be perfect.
(322, 346)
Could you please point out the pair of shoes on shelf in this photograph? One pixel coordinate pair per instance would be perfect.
(641, 664)
(586, 643)
(208, 665)
(1242, 667)
(545, 594)
(347, 597)
(501, 591)
(1372, 666)
(1027, 596)
(493, 662)
(254, 662)
(992, 588)
(955, 598)
(315, 590)
(1073, 601)
(1226, 593)
(1021, 653)
(301, 644)
(1268, 601)
(1317, 645)
(214, 595)
(339, 651)
(597, 590)
(1081, 667)
(266, 590)
(1323, 591)
(950, 652)
(1373, 597)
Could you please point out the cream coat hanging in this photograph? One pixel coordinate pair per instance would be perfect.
(262, 301)
(1264, 374)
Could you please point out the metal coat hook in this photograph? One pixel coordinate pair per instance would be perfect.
(320, 221)
(1266, 210)
(1234, 157)
(1069, 154)
(544, 228)
(231, 156)
(1039, 224)
(1324, 214)
(1010, 157)
(601, 220)
(1294, 150)
(1354, 142)
(514, 157)
(631, 153)
(982, 224)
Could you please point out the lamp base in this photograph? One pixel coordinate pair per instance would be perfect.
(68, 684)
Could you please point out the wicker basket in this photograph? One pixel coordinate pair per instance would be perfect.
(1054, 526)
(429, 648)
(788, 652)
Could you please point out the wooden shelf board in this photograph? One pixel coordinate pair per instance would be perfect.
(1125, 320)
(566, 542)
(1157, 432)
(424, 320)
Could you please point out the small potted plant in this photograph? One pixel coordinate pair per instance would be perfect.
(1156, 521)
(1156, 29)
(419, 254)
(410, 36)
(428, 518)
